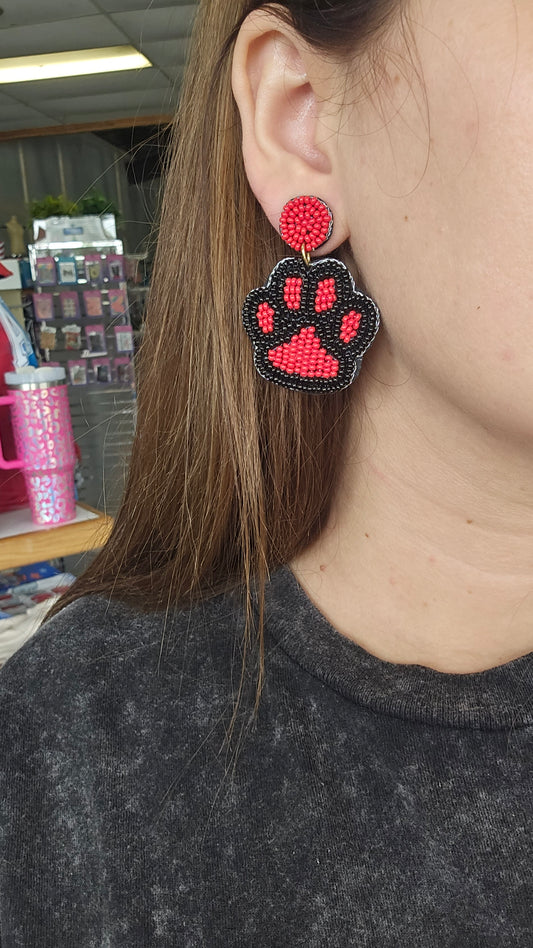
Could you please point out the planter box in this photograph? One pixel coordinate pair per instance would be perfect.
(88, 229)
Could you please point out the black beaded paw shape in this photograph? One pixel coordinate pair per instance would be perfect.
(310, 326)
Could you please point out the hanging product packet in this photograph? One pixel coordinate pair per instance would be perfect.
(102, 370)
(48, 337)
(123, 338)
(45, 271)
(77, 370)
(124, 370)
(70, 304)
(72, 336)
(118, 302)
(66, 270)
(94, 268)
(115, 266)
(43, 306)
(95, 336)
(93, 302)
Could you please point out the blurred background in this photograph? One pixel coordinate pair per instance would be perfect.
(88, 90)
(105, 130)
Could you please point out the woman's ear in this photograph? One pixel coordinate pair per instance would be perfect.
(282, 88)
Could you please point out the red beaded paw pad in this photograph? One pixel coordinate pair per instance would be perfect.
(265, 315)
(350, 325)
(310, 325)
(304, 356)
(306, 223)
(325, 295)
(292, 293)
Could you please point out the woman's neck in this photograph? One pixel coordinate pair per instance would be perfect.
(427, 557)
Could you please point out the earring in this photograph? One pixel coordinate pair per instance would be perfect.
(310, 326)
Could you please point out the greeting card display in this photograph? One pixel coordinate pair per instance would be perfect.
(43, 305)
(66, 270)
(115, 266)
(93, 302)
(82, 306)
(102, 370)
(94, 268)
(123, 369)
(77, 370)
(123, 339)
(72, 336)
(118, 302)
(46, 271)
(95, 336)
(70, 305)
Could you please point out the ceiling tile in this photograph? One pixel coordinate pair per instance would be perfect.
(28, 14)
(145, 26)
(85, 33)
(72, 109)
(175, 71)
(122, 6)
(96, 117)
(15, 114)
(10, 107)
(169, 52)
(50, 89)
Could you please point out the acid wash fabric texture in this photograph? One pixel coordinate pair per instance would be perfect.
(371, 804)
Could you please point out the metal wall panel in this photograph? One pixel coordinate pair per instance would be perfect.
(104, 423)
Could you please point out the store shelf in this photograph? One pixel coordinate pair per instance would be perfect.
(22, 542)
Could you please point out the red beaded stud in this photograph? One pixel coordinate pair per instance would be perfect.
(306, 223)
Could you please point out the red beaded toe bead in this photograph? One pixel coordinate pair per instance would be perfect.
(326, 295)
(292, 292)
(349, 326)
(265, 317)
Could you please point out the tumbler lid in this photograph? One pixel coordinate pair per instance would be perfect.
(30, 376)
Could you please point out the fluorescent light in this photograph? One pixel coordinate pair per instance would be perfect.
(82, 62)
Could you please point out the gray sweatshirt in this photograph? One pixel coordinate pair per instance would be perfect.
(368, 804)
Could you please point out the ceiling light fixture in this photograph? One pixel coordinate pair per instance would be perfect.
(82, 62)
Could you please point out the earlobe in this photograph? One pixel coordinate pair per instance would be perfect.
(279, 86)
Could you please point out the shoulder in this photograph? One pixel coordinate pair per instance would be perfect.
(96, 643)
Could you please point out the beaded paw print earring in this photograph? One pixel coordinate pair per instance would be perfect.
(310, 326)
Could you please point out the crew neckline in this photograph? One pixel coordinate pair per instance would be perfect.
(500, 697)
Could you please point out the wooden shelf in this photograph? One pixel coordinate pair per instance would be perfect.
(36, 545)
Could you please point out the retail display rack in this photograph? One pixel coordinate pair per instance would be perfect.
(80, 302)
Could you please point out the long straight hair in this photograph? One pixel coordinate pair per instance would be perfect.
(230, 476)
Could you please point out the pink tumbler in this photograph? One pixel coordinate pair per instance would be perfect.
(45, 444)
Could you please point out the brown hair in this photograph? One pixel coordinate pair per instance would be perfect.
(230, 476)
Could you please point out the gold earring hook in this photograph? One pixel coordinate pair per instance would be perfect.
(306, 256)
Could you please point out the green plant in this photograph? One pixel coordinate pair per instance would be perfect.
(96, 203)
(51, 206)
(93, 203)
